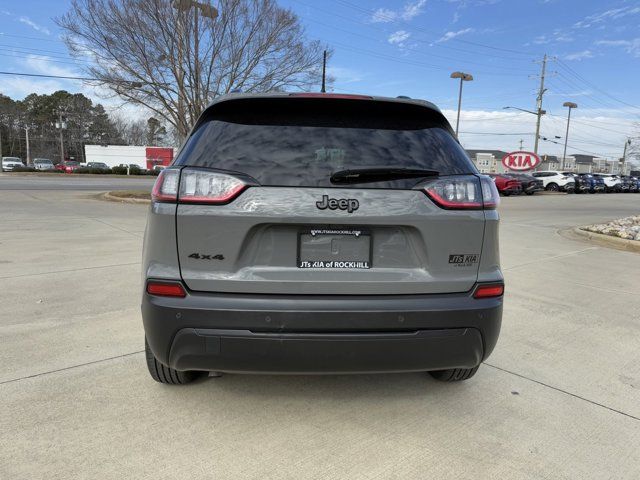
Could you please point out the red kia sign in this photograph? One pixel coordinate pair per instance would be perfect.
(520, 161)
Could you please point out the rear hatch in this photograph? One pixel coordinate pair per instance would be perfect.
(262, 210)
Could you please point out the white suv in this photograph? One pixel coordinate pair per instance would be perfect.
(556, 181)
(612, 183)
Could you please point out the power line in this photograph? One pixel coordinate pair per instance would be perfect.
(394, 20)
(587, 82)
(494, 133)
(52, 76)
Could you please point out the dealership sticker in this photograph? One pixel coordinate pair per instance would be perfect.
(463, 259)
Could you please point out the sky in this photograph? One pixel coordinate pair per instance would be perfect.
(400, 47)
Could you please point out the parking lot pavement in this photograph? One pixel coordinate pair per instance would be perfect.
(53, 181)
(559, 398)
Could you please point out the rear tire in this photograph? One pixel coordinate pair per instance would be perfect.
(529, 193)
(553, 187)
(454, 374)
(166, 375)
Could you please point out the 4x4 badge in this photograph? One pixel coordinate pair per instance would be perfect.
(348, 204)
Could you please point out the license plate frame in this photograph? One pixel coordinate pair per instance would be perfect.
(330, 264)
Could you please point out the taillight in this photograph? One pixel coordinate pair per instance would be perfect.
(196, 186)
(463, 192)
(166, 187)
(203, 186)
(166, 289)
(489, 290)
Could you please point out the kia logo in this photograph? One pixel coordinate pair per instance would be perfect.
(348, 204)
(521, 161)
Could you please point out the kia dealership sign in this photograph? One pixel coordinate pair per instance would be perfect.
(520, 161)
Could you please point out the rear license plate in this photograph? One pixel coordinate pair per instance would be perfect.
(334, 249)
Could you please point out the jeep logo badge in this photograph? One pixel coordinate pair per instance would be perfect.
(348, 204)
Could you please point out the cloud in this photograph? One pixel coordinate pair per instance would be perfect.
(555, 36)
(399, 37)
(406, 13)
(34, 25)
(42, 65)
(611, 14)
(344, 75)
(585, 129)
(630, 46)
(579, 55)
(450, 35)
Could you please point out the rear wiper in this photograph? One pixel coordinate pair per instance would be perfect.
(367, 175)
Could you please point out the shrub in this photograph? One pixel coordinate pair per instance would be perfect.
(96, 171)
(23, 169)
(119, 170)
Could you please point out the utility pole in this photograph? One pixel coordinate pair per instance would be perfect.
(26, 132)
(624, 156)
(324, 72)
(60, 125)
(521, 142)
(539, 103)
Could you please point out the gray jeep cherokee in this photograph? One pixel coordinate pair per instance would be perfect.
(321, 233)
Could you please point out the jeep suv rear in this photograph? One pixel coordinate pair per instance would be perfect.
(321, 233)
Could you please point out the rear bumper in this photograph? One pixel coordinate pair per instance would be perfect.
(321, 334)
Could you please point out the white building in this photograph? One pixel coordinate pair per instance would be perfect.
(115, 155)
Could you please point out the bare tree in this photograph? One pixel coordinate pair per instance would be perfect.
(175, 61)
(133, 132)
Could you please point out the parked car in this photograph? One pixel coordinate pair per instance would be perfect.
(43, 164)
(581, 184)
(266, 254)
(595, 186)
(634, 183)
(530, 184)
(98, 166)
(68, 166)
(506, 184)
(611, 182)
(555, 181)
(627, 185)
(9, 163)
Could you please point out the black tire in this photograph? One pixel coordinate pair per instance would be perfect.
(553, 187)
(454, 374)
(506, 194)
(529, 193)
(166, 375)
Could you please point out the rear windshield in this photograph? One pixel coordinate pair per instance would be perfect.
(301, 142)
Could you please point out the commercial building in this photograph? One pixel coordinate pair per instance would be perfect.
(490, 161)
(143, 157)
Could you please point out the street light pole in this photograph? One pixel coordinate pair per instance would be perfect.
(464, 77)
(570, 105)
(206, 10)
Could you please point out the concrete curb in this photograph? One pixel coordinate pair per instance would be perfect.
(607, 240)
(113, 198)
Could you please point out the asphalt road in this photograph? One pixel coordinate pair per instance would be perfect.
(63, 182)
(558, 399)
